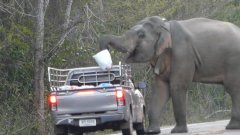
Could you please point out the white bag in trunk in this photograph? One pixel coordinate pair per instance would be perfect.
(103, 59)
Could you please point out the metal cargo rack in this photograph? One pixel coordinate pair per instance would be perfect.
(117, 75)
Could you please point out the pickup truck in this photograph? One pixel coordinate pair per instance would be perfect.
(90, 99)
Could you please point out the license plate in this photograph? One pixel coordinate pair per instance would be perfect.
(87, 122)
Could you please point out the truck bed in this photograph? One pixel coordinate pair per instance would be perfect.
(87, 90)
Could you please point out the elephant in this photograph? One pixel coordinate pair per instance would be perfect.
(180, 52)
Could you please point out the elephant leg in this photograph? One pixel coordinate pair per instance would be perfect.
(158, 99)
(235, 118)
(178, 94)
(232, 86)
(180, 78)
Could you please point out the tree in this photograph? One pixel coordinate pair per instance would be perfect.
(39, 65)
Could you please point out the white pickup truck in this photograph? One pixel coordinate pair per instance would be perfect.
(90, 99)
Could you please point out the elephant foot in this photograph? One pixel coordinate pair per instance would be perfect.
(152, 131)
(180, 129)
(233, 124)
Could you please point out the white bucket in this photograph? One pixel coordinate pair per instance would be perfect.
(103, 59)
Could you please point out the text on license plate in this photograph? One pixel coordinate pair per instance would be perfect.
(87, 122)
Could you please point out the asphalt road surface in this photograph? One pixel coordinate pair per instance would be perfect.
(208, 128)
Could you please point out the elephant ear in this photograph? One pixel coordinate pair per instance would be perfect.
(164, 38)
(162, 29)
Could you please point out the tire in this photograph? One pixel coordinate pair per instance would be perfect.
(140, 126)
(81, 133)
(129, 129)
(60, 130)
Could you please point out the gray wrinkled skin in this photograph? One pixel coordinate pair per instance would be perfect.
(201, 50)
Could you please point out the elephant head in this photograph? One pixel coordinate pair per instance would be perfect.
(144, 41)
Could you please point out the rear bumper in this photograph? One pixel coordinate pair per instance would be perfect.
(100, 118)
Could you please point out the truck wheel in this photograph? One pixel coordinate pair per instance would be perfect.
(60, 130)
(140, 126)
(129, 129)
(81, 133)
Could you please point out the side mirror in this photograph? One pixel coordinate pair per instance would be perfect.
(141, 85)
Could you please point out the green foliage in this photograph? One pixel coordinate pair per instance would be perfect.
(230, 13)
(16, 71)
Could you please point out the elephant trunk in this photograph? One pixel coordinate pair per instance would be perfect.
(120, 43)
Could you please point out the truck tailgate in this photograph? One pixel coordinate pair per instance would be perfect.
(86, 101)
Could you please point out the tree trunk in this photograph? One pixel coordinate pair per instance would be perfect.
(39, 68)
(66, 30)
(101, 8)
(67, 14)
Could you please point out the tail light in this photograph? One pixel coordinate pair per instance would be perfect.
(120, 97)
(52, 100)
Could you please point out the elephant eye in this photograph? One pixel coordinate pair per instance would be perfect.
(140, 34)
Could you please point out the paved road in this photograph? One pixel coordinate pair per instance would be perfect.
(208, 128)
